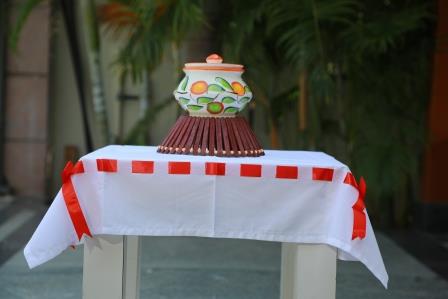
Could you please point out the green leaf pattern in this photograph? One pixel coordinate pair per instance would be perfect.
(231, 110)
(204, 100)
(183, 100)
(224, 83)
(195, 107)
(215, 88)
(244, 100)
(232, 103)
(184, 83)
(228, 100)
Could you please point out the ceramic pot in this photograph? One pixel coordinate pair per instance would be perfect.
(213, 93)
(213, 89)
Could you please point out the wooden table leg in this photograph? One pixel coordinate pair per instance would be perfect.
(308, 271)
(111, 267)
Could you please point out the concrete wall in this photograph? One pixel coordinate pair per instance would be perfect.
(26, 122)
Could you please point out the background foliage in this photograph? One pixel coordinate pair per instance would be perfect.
(348, 77)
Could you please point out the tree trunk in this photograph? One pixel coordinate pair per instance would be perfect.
(273, 132)
(96, 78)
(144, 102)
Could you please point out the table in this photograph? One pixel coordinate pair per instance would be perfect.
(111, 269)
(309, 201)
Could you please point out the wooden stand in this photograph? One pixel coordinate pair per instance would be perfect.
(211, 136)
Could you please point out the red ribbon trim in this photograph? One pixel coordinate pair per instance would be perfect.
(350, 179)
(359, 216)
(71, 199)
(215, 168)
(106, 165)
(323, 174)
(179, 167)
(142, 166)
(287, 172)
(250, 170)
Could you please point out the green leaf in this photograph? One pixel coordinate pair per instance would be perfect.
(247, 89)
(194, 107)
(204, 100)
(244, 100)
(228, 100)
(183, 100)
(231, 110)
(215, 88)
(224, 83)
(184, 83)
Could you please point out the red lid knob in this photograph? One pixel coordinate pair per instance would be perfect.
(214, 58)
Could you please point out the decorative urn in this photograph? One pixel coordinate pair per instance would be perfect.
(212, 93)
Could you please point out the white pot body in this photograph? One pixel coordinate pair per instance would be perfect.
(213, 93)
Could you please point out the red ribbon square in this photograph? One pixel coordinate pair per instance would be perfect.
(142, 166)
(179, 167)
(106, 165)
(323, 174)
(287, 172)
(250, 170)
(215, 168)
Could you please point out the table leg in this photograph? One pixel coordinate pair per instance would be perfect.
(111, 268)
(131, 272)
(308, 271)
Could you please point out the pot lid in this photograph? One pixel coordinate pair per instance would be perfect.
(213, 63)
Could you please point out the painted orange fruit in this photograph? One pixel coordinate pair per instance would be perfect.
(199, 87)
(238, 88)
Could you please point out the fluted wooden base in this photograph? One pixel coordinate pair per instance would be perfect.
(212, 136)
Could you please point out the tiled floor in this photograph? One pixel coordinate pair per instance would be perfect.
(198, 268)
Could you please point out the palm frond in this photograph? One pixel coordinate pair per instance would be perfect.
(149, 26)
(24, 11)
(383, 30)
(298, 25)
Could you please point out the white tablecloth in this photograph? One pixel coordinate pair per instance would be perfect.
(259, 204)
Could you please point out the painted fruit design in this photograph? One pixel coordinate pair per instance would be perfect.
(199, 87)
(215, 107)
(218, 96)
(238, 88)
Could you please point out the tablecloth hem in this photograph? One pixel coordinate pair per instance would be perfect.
(35, 259)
